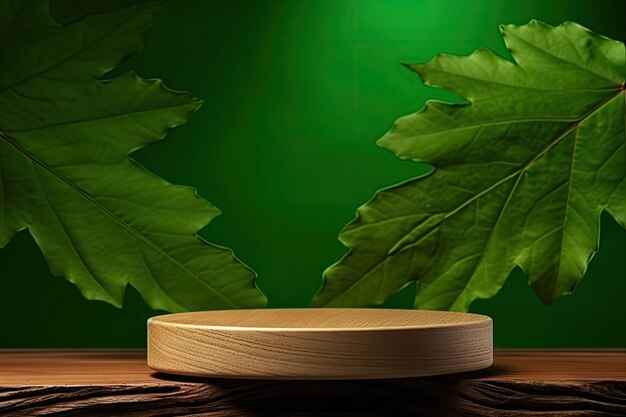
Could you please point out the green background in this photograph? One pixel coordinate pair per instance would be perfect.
(296, 93)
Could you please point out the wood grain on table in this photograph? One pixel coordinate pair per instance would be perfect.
(105, 383)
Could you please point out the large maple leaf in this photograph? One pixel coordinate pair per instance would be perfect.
(101, 220)
(522, 172)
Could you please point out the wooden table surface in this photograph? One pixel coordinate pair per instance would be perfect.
(520, 383)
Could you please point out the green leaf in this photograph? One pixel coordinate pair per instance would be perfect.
(101, 220)
(523, 171)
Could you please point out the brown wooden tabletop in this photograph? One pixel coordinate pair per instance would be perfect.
(520, 383)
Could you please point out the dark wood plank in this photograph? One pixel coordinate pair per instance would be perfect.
(105, 383)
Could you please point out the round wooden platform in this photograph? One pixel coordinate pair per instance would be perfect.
(319, 343)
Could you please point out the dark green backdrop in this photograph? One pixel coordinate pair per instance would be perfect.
(296, 93)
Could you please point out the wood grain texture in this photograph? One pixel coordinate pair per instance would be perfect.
(105, 383)
(319, 343)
